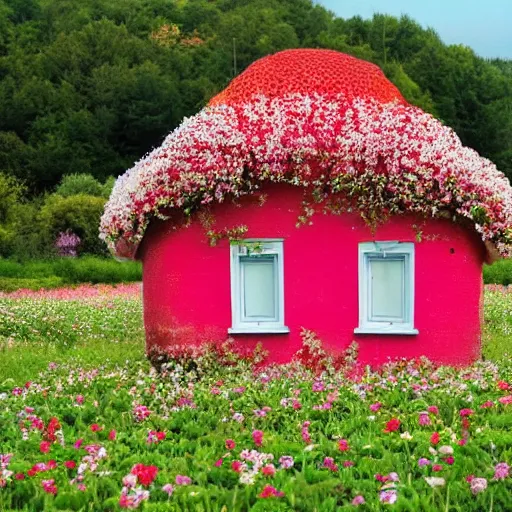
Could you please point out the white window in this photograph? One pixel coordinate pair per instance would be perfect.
(257, 287)
(386, 288)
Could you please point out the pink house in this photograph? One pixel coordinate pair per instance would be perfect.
(309, 194)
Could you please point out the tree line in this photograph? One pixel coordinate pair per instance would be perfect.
(89, 87)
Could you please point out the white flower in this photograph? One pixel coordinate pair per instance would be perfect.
(446, 450)
(406, 436)
(433, 451)
(434, 481)
(247, 478)
(371, 418)
(310, 447)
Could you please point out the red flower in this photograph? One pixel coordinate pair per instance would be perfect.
(218, 463)
(52, 464)
(435, 438)
(257, 437)
(160, 436)
(95, 427)
(449, 460)
(466, 412)
(236, 465)
(392, 425)
(145, 474)
(112, 435)
(504, 386)
(270, 492)
(44, 446)
(20, 476)
(230, 444)
(53, 426)
(437, 467)
(70, 464)
(343, 445)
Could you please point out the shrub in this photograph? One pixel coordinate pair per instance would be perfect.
(79, 214)
(79, 184)
(498, 273)
(10, 284)
(11, 191)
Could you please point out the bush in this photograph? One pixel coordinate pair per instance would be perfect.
(62, 271)
(80, 214)
(80, 184)
(11, 191)
(498, 273)
(96, 270)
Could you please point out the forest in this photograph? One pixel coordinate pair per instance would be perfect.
(87, 88)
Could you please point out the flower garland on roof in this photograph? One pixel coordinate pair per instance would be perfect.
(378, 157)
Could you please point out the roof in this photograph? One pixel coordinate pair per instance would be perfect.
(321, 120)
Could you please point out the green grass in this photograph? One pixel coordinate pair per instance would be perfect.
(36, 274)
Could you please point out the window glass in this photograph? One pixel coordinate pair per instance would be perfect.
(259, 288)
(387, 288)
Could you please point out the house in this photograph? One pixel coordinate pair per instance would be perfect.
(310, 194)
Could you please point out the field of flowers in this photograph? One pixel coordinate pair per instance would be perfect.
(87, 424)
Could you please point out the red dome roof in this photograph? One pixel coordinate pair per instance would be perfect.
(326, 72)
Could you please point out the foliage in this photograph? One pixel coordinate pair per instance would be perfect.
(10, 193)
(79, 214)
(498, 273)
(92, 89)
(80, 184)
(35, 274)
(83, 410)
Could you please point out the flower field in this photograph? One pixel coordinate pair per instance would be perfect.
(87, 424)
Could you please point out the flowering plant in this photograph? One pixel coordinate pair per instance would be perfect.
(351, 143)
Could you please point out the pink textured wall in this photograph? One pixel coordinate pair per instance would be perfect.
(187, 282)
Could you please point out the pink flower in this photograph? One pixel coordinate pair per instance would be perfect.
(423, 462)
(286, 462)
(44, 446)
(437, 467)
(230, 444)
(478, 485)
(236, 465)
(257, 437)
(358, 500)
(318, 386)
(435, 438)
(78, 443)
(466, 412)
(183, 480)
(504, 386)
(348, 464)
(487, 404)
(270, 492)
(433, 410)
(49, 486)
(168, 489)
(343, 445)
(218, 462)
(330, 464)
(388, 496)
(501, 471)
(505, 400)
(112, 435)
(79, 399)
(449, 460)
(268, 470)
(375, 407)
(424, 420)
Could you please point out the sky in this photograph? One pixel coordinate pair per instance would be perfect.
(483, 25)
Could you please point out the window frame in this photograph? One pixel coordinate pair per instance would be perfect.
(240, 254)
(369, 251)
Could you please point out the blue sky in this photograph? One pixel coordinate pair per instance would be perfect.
(484, 25)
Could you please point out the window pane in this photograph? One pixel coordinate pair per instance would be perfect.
(387, 288)
(259, 288)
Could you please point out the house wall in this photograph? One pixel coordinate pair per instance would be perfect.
(187, 282)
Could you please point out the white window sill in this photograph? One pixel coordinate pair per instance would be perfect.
(258, 329)
(385, 330)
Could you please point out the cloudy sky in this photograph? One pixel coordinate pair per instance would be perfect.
(484, 25)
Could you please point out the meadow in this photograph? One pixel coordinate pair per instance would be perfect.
(87, 424)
